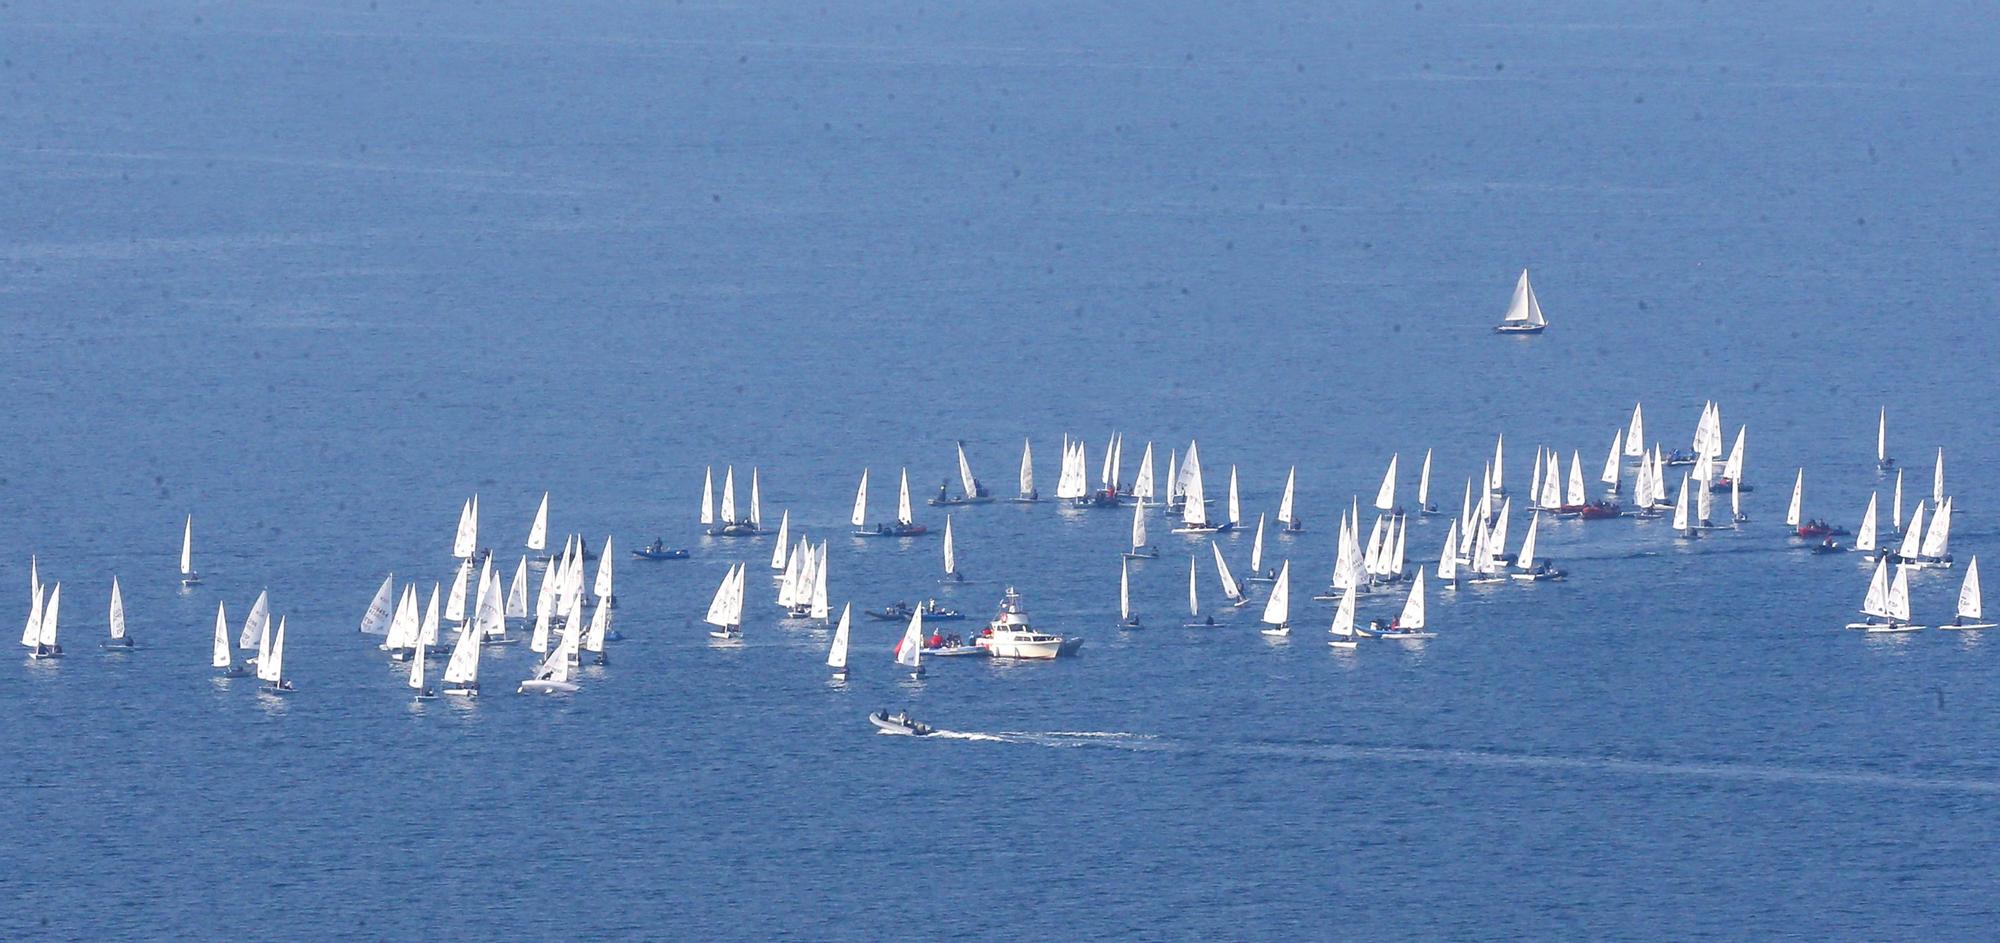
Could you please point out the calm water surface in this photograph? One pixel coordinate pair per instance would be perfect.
(318, 272)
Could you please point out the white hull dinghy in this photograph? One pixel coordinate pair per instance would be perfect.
(1524, 313)
(1887, 604)
(1278, 609)
(1971, 610)
(898, 724)
(189, 577)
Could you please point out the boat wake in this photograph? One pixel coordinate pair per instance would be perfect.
(968, 735)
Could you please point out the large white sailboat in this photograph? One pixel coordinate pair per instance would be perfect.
(1524, 313)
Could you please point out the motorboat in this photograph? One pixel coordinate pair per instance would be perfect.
(900, 612)
(1010, 635)
(899, 724)
(659, 551)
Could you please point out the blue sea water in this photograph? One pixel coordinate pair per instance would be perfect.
(316, 273)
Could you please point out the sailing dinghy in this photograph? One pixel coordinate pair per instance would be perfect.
(1971, 612)
(1278, 609)
(1409, 625)
(1887, 604)
(1140, 550)
(971, 490)
(189, 577)
(119, 640)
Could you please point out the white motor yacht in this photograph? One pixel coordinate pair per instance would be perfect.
(1010, 635)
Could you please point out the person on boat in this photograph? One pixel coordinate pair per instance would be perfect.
(658, 545)
(944, 491)
(979, 488)
(1210, 621)
(1296, 524)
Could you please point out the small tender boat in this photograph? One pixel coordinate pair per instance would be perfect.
(1524, 313)
(659, 551)
(933, 610)
(898, 724)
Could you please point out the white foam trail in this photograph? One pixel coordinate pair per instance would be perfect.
(965, 735)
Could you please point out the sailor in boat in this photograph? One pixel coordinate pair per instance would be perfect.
(1298, 524)
(282, 684)
(1827, 545)
(47, 651)
(944, 492)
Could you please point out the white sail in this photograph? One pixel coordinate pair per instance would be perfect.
(1792, 518)
(1278, 609)
(260, 613)
(950, 556)
(1173, 476)
(1448, 560)
(1235, 504)
(1138, 527)
(1704, 505)
(820, 606)
(271, 662)
(1882, 436)
(1413, 607)
(31, 633)
(376, 620)
(910, 649)
(1124, 590)
(719, 607)
(836, 657)
(1526, 559)
(1524, 309)
(187, 547)
(965, 473)
(538, 532)
(1735, 500)
(601, 586)
(1194, 599)
(728, 513)
(1194, 511)
(1397, 560)
(1896, 505)
(491, 618)
(1610, 475)
(1385, 496)
(1424, 484)
(1635, 434)
(708, 496)
(402, 629)
(1551, 497)
(1876, 603)
(1937, 481)
(1937, 540)
(1681, 507)
(903, 514)
(1257, 548)
(860, 516)
(454, 606)
(417, 660)
(466, 542)
(46, 636)
(1969, 606)
(1912, 545)
(1576, 496)
(756, 502)
(1343, 617)
(1027, 486)
(1899, 596)
(1229, 587)
(1733, 468)
(517, 592)
(117, 615)
(1142, 484)
(1499, 456)
(600, 625)
(1499, 535)
(463, 668)
(427, 630)
(1535, 481)
(219, 652)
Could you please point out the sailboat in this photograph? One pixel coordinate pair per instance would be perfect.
(727, 524)
(1935, 551)
(1288, 519)
(1235, 502)
(1802, 526)
(836, 656)
(1896, 505)
(1229, 588)
(1278, 609)
(1142, 483)
(1343, 631)
(517, 593)
(417, 661)
(1448, 559)
(1635, 434)
(1027, 493)
(1937, 481)
(1195, 620)
(538, 532)
(1865, 539)
(1125, 616)
(1683, 525)
(220, 657)
(971, 490)
(1194, 505)
(951, 574)
(271, 660)
(461, 672)
(465, 543)
(1971, 612)
(1613, 471)
(910, 648)
(552, 676)
(1524, 313)
(189, 577)
(376, 620)
(725, 611)
(1882, 460)
(1887, 604)
(1528, 569)
(1424, 506)
(1385, 496)
(1139, 549)
(253, 626)
(45, 645)
(1410, 623)
(119, 641)
(1257, 572)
